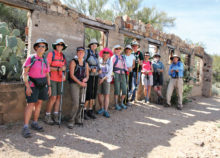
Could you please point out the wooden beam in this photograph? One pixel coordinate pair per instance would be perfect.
(183, 51)
(22, 4)
(130, 34)
(170, 46)
(153, 41)
(96, 24)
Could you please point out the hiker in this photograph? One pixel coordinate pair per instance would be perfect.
(158, 76)
(120, 70)
(37, 80)
(104, 81)
(176, 70)
(147, 76)
(130, 63)
(57, 63)
(137, 69)
(78, 76)
(91, 57)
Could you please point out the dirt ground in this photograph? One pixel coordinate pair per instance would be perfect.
(140, 131)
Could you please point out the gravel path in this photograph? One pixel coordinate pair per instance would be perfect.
(140, 131)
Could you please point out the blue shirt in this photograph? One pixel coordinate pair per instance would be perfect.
(157, 65)
(178, 66)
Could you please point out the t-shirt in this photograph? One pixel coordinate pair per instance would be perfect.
(147, 67)
(138, 55)
(157, 65)
(56, 75)
(129, 60)
(35, 70)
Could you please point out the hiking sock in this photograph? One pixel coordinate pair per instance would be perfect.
(55, 113)
(34, 122)
(25, 126)
(48, 113)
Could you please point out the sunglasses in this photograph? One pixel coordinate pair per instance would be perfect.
(105, 52)
(60, 44)
(41, 46)
(117, 48)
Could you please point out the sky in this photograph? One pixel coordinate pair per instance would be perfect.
(196, 20)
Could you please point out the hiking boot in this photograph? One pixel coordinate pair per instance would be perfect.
(26, 133)
(179, 107)
(123, 106)
(100, 111)
(167, 105)
(48, 120)
(106, 114)
(128, 104)
(160, 100)
(86, 117)
(145, 100)
(91, 114)
(117, 107)
(36, 127)
(56, 119)
(70, 125)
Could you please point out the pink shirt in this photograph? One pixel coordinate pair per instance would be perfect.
(35, 70)
(121, 64)
(147, 67)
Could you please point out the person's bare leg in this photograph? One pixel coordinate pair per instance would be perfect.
(28, 112)
(50, 104)
(37, 110)
(101, 102)
(57, 104)
(106, 102)
(116, 99)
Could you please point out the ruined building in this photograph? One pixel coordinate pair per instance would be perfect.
(43, 21)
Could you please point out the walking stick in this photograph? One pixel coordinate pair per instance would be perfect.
(82, 103)
(61, 100)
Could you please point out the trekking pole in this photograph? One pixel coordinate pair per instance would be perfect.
(82, 103)
(61, 99)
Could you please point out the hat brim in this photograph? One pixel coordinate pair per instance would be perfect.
(93, 43)
(157, 56)
(128, 48)
(136, 45)
(54, 46)
(171, 58)
(35, 44)
(105, 50)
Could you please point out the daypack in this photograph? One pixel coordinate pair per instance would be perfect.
(93, 54)
(53, 57)
(115, 63)
(33, 59)
(75, 71)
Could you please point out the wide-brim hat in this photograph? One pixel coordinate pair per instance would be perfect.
(60, 40)
(93, 41)
(147, 54)
(128, 47)
(117, 46)
(175, 56)
(106, 50)
(135, 43)
(156, 55)
(40, 40)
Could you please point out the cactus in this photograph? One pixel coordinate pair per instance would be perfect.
(16, 33)
(12, 41)
(11, 53)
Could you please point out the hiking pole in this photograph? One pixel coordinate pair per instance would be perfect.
(61, 99)
(82, 103)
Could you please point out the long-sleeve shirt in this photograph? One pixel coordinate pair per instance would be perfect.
(178, 66)
(107, 69)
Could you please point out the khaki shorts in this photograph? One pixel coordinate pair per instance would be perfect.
(55, 88)
(104, 88)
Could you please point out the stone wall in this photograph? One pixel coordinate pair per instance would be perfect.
(54, 20)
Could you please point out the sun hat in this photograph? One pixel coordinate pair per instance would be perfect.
(40, 40)
(60, 40)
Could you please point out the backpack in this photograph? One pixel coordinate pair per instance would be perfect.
(89, 54)
(53, 56)
(33, 59)
(115, 63)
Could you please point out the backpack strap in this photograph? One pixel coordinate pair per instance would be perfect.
(53, 57)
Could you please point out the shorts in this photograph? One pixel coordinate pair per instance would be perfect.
(104, 88)
(92, 85)
(37, 94)
(55, 88)
(147, 82)
(120, 84)
(157, 80)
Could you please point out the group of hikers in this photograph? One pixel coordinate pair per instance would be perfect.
(91, 73)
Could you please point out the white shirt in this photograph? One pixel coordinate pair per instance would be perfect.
(129, 60)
